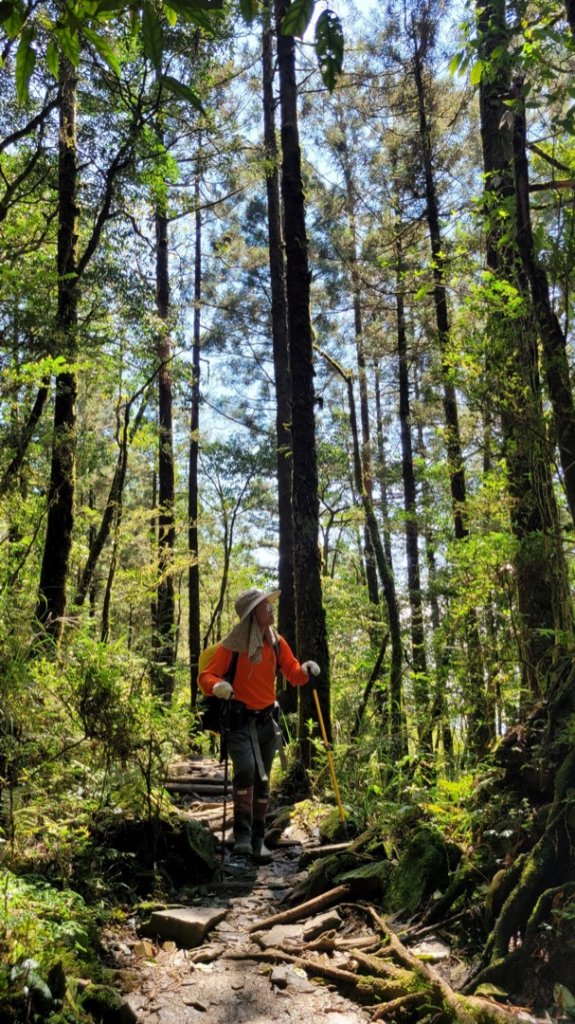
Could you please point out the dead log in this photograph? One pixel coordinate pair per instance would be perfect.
(307, 909)
(201, 790)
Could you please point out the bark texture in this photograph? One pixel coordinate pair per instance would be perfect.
(280, 340)
(60, 518)
(310, 615)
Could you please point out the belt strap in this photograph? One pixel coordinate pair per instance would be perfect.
(256, 746)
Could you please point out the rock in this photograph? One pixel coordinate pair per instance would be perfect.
(107, 1006)
(56, 980)
(320, 924)
(367, 881)
(422, 869)
(187, 926)
(286, 977)
(279, 935)
(144, 950)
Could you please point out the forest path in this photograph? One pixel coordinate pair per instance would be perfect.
(230, 979)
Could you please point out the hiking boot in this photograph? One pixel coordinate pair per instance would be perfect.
(243, 846)
(260, 851)
(243, 821)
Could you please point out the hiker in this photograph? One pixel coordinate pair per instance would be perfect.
(252, 734)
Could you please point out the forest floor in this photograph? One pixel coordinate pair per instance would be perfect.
(237, 974)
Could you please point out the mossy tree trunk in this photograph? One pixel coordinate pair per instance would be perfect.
(546, 641)
(60, 516)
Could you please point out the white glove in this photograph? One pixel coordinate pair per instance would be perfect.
(223, 690)
(311, 667)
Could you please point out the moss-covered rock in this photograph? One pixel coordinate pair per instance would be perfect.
(181, 850)
(332, 829)
(107, 1006)
(423, 868)
(367, 881)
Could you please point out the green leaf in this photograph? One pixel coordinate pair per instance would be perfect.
(297, 17)
(104, 48)
(183, 92)
(53, 59)
(204, 13)
(249, 9)
(7, 11)
(25, 63)
(152, 34)
(12, 16)
(329, 46)
(455, 63)
(69, 45)
(109, 6)
(476, 73)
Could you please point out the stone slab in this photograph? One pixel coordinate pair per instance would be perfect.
(185, 925)
(330, 921)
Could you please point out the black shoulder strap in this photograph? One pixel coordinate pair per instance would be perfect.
(230, 674)
(276, 647)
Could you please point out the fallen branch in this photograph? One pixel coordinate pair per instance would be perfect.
(314, 852)
(306, 909)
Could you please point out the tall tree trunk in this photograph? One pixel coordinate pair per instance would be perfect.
(113, 511)
(194, 621)
(310, 615)
(396, 719)
(553, 341)
(481, 729)
(60, 519)
(351, 192)
(12, 471)
(418, 654)
(542, 592)
(164, 627)
(282, 377)
(381, 473)
(439, 713)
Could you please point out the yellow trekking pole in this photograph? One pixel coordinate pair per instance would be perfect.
(328, 755)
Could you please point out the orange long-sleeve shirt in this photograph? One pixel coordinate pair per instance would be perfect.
(254, 684)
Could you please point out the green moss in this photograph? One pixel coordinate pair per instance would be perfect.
(422, 869)
(367, 880)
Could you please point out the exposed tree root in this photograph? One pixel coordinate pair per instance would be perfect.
(410, 1001)
(545, 870)
(366, 987)
(464, 882)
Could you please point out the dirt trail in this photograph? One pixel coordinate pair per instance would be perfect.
(223, 981)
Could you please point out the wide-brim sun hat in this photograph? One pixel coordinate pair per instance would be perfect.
(249, 599)
(246, 634)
